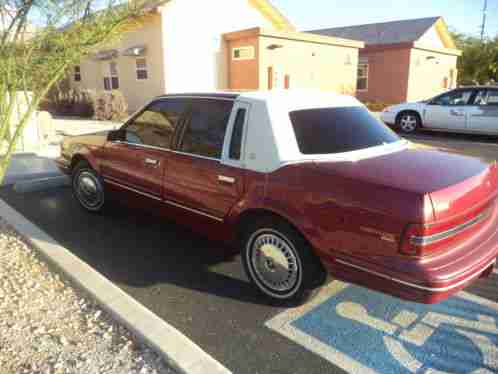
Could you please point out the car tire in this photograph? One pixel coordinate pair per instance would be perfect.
(280, 262)
(408, 122)
(88, 188)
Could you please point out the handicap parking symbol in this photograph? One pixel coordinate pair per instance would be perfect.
(364, 331)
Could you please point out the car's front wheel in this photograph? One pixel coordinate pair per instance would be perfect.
(88, 188)
(280, 262)
(408, 122)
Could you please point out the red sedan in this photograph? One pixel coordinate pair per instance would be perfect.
(304, 184)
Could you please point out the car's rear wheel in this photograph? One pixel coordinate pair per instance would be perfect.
(280, 262)
(408, 122)
(88, 188)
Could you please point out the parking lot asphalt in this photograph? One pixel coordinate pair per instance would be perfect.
(484, 147)
(183, 278)
(199, 287)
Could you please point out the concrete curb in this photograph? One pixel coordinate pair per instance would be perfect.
(183, 354)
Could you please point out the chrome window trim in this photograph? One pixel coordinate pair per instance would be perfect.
(140, 145)
(169, 202)
(194, 155)
(197, 97)
(109, 180)
(426, 240)
(417, 286)
(165, 149)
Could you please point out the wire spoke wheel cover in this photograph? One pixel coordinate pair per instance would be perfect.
(89, 190)
(274, 263)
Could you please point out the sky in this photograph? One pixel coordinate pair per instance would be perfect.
(461, 15)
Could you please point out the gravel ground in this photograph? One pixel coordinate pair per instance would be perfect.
(48, 327)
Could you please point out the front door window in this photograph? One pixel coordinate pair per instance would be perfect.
(460, 97)
(155, 125)
(449, 111)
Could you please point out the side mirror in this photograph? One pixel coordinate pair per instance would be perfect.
(116, 135)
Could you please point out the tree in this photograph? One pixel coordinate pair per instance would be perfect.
(479, 60)
(40, 40)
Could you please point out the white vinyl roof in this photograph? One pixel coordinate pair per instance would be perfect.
(270, 138)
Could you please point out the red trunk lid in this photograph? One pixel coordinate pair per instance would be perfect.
(473, 193)
(453, 182)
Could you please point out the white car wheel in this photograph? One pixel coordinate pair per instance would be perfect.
(408, 122)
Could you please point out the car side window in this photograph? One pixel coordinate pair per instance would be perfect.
(486, 98)
(205, 128)
(155, 125)
(237, 134)
(460, 97)
(480, 98)
(492, 98)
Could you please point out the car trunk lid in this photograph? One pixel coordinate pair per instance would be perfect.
(471, 194)
(422, 171)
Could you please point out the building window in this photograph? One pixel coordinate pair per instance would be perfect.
(362, 83)
(111, 82)
(77, 73)
(243, 53)
(141, 65)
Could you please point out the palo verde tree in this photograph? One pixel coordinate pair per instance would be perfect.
(40, 40)
(479, 60)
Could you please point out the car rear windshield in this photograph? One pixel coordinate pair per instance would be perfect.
(338, 130)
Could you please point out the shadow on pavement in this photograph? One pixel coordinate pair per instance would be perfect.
(452, 137)
(133, 248)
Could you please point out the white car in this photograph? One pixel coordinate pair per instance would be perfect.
(467, 109)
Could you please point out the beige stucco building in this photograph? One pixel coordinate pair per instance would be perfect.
(191, 45)
(405, 60)
(288, 59)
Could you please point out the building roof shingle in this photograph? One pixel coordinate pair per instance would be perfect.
(405, 31)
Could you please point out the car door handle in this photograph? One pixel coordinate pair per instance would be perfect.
(222, 178)
(458, 113)
(151, 161)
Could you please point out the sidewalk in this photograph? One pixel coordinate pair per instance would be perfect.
(48, 327)
(72, 126)
(40, 167)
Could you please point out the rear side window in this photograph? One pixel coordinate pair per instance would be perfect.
(486, 97)
(237, 133)
(338, 130)
(155, 126)
(205, 127)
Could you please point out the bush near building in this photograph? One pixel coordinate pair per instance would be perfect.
(110, 106)
(100, 105)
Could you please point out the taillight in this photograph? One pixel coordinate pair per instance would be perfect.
(420, 240)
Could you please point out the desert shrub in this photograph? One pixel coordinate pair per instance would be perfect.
(376, 106)
(83, 103)
(110, 106)
(65, 101)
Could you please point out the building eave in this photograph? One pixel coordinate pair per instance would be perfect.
(272, 14)
(444, 34)
(294, 35)
(446, 51)
(414, 45)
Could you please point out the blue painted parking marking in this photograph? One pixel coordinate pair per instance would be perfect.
(365, 331)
